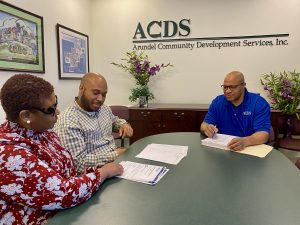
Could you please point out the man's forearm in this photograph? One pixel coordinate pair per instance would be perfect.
(257, 138)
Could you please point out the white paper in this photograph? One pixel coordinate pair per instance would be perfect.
(144, 173)
(171, 154)
(221, 141)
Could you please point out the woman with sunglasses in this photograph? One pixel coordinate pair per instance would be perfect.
(37, 175)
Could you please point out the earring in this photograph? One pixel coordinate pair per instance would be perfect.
(28, 121)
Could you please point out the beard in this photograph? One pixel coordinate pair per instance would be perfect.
(87, 104)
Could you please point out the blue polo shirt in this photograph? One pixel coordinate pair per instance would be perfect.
(251, 116)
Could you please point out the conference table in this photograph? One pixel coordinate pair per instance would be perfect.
(209, 186)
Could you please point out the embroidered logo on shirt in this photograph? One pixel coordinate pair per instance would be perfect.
(246, 113)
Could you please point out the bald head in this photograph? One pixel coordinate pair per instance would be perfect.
(234, 77)
(234, 87)
(91, 77)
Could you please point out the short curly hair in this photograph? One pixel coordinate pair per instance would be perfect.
(23, 92)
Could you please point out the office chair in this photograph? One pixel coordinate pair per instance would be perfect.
(289, 141)
(272, 139)
(297, 163)
(123, 113)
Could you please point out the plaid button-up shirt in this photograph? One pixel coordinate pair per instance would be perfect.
(88, 135)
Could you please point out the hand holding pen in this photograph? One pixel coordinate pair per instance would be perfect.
(215, 131)
(210, 130)
(213, 135)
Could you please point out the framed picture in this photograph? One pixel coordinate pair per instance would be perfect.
(21, 40)
(73, 53)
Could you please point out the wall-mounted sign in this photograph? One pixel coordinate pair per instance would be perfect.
(169, 34)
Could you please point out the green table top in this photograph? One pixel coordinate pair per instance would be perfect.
(209, 186)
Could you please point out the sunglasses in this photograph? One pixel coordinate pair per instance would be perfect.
(50, 110)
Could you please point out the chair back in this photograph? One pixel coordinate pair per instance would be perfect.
(298, 163)
(295, 126)
(271, 140)
(121, 111)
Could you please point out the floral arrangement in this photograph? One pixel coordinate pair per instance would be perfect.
(284, 91)
(139, 66)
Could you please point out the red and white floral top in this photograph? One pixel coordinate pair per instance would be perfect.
(37, 176)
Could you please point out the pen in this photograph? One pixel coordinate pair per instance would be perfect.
(213, 135)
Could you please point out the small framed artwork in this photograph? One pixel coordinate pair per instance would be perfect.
(21, 40)
(73, 53)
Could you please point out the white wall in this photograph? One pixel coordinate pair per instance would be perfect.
(197, 75)
(70, 13)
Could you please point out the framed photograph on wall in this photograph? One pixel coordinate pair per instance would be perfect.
(21, 40)
(73, 53)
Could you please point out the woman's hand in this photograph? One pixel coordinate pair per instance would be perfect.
(110, 170)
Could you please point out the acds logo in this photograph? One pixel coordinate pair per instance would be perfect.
(163, 29)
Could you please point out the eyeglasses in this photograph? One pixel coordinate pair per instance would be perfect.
(230, 87)
(50, 110)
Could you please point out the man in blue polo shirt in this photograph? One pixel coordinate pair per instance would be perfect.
(238, 112)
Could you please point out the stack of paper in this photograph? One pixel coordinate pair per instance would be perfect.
(171, 154)
(143, 173)
(221, 141)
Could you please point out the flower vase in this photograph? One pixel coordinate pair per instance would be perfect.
(143, 101)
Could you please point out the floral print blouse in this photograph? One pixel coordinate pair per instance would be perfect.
(37, 176)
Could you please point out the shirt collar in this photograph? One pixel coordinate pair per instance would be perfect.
(11, 127)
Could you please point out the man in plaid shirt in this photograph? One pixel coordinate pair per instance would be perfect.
(85, 127)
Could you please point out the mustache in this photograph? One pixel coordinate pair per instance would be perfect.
(98, 102)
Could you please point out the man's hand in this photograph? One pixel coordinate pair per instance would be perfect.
(121, 150)
(125, 130)
(209, 129)
(237, 144)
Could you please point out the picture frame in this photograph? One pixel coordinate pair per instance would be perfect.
(21, 40)
(73, 53)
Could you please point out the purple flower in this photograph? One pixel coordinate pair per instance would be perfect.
(152, 71)
(286, 83)
(286, 93)
(157, 68)
(138, 67)
(146, 65)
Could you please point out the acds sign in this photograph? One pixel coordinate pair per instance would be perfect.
(163, 29)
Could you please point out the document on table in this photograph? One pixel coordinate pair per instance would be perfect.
(171, 154)
(143, 173)
(221, 141)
